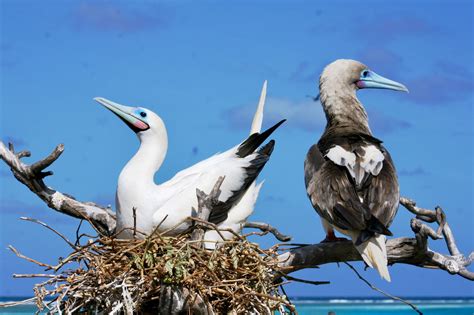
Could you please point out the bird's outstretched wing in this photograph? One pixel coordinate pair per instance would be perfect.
(240, 166)
(250, 173)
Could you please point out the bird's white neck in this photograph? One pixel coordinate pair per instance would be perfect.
(341, 106)
(140, 170)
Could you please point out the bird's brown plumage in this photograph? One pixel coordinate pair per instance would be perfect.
(339, 200)
(349, 175)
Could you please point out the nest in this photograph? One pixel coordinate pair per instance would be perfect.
(111, 275)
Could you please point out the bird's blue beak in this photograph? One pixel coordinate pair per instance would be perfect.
(371, 80)
(125, 113)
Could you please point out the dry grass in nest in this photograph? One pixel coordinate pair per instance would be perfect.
(124, 276)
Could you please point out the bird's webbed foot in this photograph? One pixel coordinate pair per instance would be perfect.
(331, 237)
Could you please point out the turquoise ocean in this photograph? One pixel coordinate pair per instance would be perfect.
(342, 306)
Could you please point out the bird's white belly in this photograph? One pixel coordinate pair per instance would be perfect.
(128, 219)
(145, 204)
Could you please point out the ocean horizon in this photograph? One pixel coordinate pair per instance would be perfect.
(339, 305)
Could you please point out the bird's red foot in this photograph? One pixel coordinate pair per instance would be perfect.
(333, 238)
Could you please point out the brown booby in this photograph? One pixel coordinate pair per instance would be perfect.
(349, 175)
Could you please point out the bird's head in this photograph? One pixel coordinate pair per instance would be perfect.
(355, 75)
(142, 121)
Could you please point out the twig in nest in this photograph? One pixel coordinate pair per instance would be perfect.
(267, 228)
(16, 252)
(205, 206)
(16, 303)
(78, 237)
(51, 229)
(393, 297)
(114, 274)
(134, 222)
(33, 275)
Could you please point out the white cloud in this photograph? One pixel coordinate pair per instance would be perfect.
(305, 115)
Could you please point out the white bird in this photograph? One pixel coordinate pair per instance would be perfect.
(170, 204)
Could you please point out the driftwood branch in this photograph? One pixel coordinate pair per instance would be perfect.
(32, 176)
(267, 228)
(205, 204)
(412, 251)
(456, 262)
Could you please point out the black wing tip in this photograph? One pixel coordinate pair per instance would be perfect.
(256, 139)
(217, 214)
(275, 126)
(267, 149)
(280, 122)
(270, 130)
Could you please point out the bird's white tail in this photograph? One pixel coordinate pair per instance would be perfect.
(258, 117)
(374, 254)
(236, 218)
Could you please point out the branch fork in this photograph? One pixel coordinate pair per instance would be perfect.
(101, 218)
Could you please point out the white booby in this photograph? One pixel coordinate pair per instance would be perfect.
(350, 177)
(169, 204)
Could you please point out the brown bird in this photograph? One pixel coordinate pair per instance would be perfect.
(349, 175)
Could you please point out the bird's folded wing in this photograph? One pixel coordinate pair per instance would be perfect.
(332, 193)
(373, 174)
(383, 193)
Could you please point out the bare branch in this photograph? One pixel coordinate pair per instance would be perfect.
(34, 275)
(267, 228)
(51, 229)
(103, 219)
(15, 303)
(412, 251)
(134, 222)
(16, 252)
(399, 250)
(205, 205)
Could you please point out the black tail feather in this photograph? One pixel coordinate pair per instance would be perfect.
(255, 140)
(374, 226)
(267, 149)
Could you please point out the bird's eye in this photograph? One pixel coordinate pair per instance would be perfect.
(365, 73)
(143, 114)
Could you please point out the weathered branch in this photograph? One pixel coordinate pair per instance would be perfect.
(73, 246)
(103, 219)
(456, 262)
(267, 228)
(399, 250)
(412, 251)
(205, 205)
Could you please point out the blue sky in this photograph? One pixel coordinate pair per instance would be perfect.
(201, 67)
